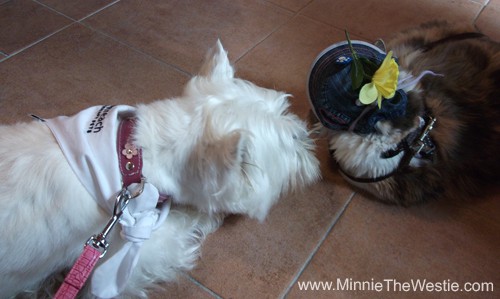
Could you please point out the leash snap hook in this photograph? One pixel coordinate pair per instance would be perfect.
(421, 141)
(138, 191)
(99, 241)
(122, 200)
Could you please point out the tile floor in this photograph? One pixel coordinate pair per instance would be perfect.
(60, 56)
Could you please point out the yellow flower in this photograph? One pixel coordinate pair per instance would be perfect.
(384, 82)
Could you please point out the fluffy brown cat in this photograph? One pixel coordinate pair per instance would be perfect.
(454, 112)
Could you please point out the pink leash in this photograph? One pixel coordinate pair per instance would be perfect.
(78, 275)
(130, 162)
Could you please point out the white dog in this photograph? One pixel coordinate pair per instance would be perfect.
(225, 146)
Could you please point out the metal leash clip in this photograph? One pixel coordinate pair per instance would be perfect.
(421, 142)
(122, 200)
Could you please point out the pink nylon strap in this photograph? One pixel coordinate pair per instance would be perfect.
(79, 273)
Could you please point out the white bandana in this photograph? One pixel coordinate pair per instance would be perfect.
(89, 143)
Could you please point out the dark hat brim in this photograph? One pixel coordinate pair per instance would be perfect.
(330, 61)
(334, 101)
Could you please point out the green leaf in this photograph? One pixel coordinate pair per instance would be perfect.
(370, 67)
(357, 71)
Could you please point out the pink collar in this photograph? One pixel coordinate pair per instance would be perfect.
(130, 156)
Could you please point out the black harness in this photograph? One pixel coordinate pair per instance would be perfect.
(417, 144)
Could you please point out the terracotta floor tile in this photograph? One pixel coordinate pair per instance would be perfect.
(180, 32)
(293, 5)
(373, 19)
(77, 68)
(493, 3)
(77, 9)
(488, 21)
(184, 287)
(283, 60)
(24, 22)
(248, 259)
(438, 242)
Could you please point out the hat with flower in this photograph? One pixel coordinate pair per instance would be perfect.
(353, 85)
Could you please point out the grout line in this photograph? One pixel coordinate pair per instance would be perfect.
(335, 27)
(336, 218)
(8, 56)
(73, 21)
(137, 50)
(80, 22)
(99, 10)
(200, 285)
(479, 14)
(36, 42)
(294, 15)
(3, 56)
(53, 10)
(257, 43)
(281, 7)
(81, 19)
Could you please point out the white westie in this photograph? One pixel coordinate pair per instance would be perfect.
(225, 146)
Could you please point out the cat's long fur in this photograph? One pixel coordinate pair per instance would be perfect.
(466, 103)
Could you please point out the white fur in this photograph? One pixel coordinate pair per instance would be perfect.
(361, 156)
(225, 146)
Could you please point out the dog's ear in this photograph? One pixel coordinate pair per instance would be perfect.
(218, 156)
(229, 150)
(217, 65)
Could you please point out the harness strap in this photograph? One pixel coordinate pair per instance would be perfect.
(415, 143)
(367, 180)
